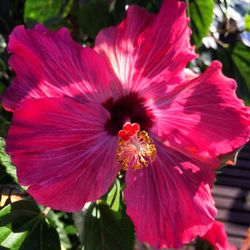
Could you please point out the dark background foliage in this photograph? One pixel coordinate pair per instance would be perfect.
(104, 224)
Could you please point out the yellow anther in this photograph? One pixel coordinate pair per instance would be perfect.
(136, 152)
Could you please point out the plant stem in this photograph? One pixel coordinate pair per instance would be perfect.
(46, 210)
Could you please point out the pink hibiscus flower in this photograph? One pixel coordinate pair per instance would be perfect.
(217, 237)
(80, 115)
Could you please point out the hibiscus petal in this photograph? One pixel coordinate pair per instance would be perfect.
(170, 201)
(204, 115)
(62, 151)
(148, 51)
(217, 237)
(51, 64)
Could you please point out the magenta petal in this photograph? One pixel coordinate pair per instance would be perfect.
(204, 116)
(147, 51)
(170, 202)
(62, 151)
(51, 64)
(217, 237)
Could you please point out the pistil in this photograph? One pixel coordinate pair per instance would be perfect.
(135, 148)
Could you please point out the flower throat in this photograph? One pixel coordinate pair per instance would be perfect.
(127, 108)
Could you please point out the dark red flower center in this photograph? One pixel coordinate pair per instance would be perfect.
(130, 108)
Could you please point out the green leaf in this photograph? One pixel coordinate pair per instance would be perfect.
(6, 162)
(24, 227)
(42, 10)
(113, 196)
(236, 64)
(4, 121)
(240, 55)
(70, 229)
(247, 22)
(93, 16)
(54, 218)
(105, 229)
(201, 15)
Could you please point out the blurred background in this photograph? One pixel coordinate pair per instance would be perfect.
(220, 30)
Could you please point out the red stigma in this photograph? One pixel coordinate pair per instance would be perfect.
(128, 130)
